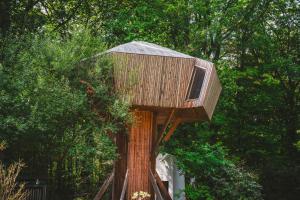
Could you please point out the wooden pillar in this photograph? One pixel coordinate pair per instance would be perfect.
(140, 158)
(120, 166)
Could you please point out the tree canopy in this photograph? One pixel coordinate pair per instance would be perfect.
(55, 114)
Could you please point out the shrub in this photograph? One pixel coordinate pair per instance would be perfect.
(10, 189)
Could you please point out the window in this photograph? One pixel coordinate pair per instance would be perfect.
(196, 83)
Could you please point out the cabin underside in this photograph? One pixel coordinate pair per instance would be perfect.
(184, 115)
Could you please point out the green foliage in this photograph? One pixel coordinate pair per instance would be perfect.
(255, 45)
(58, 110)
(213, 174)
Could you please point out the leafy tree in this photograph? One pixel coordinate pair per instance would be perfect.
(254, 43)
(9, 187)
(56, 111)
(212, 175)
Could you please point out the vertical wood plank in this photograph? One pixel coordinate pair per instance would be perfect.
(139, 150)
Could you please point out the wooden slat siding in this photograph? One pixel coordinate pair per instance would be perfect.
(104, 187)
(179, 82)
(207, 81)
(153, 155)
(141, 74)
(120, 65)
(186, 72)
(158, 78)
(168, 59)
(213, 95)
(139, 149)
(208, 99)
(162, 82)
(208, 91)
(120, 165)
(171, 83)
(186, 77)
(151, 84)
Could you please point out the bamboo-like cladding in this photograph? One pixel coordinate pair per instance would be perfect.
(212, 95)
(153, 80)
(150, 76)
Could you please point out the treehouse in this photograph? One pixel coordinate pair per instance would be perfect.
(161, 79)
(164, 88)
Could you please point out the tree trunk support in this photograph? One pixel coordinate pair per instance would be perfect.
(140, 160)
(137, 157)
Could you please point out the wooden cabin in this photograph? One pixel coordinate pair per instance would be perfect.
(158, 78)
(164, 88)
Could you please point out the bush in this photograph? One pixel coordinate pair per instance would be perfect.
(209, 173)
(10, 189)
(58, 109)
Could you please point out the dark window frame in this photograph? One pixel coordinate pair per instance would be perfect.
(192, 84)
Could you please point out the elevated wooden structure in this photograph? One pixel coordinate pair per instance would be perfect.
(164, 87)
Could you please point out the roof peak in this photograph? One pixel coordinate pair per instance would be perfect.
(147, 48)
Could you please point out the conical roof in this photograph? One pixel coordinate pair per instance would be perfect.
(146, 48)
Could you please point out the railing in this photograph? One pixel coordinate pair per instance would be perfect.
(155, 186)
(104, 187)
(160, 191)
(36, 192)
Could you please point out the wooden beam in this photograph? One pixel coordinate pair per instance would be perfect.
(139, 153)
(172, 129)
(154, 185)
(124, 186)
(161, 134)
(162, 187)
(104, 187)
(120, 165)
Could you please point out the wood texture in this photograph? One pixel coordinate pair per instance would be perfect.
(155, 186)
(163, 82)
(172, 129)
(164, 191)
(149, 80)
(212, 95)
(120, 165)
(104, 187)
(124, 187)
(139, 153)
(165, 126)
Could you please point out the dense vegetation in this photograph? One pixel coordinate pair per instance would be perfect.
(56, 114)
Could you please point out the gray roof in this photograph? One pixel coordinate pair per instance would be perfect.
(146, 48)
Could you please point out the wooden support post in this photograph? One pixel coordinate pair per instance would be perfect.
(163, 189)
(154, 185)
(172, 129)
(104, 187)
(124, 187)
(153, 155)
(139, 153)
(161, 134)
